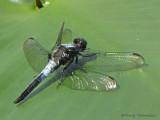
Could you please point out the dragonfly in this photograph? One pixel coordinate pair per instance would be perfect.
(83, 68)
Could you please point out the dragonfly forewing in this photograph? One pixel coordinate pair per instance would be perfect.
(113, 61)
(64, 36)
(89, 80)
(36, 55)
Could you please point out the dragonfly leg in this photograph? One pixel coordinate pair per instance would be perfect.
(61, 81)
(76, 60)
(87, 55)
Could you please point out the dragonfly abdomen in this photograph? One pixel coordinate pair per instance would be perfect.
(50, 67)
(27, 91)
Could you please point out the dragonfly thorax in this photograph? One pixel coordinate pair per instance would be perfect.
(64, 54)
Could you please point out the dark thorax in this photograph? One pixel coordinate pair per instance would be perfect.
(64, 54)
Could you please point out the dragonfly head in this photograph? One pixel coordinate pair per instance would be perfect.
(80, 43)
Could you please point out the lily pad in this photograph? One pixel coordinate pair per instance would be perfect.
(107, 25)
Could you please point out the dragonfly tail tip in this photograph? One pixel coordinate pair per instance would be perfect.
(17, 101)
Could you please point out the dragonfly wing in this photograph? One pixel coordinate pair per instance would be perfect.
(64, 36)
(36, 55)
(111, 61)
(89, 80)
(59, 39)
(67, 36)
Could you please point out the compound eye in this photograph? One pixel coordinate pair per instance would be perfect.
(76, 41)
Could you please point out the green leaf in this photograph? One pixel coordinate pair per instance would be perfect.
(107, 25)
